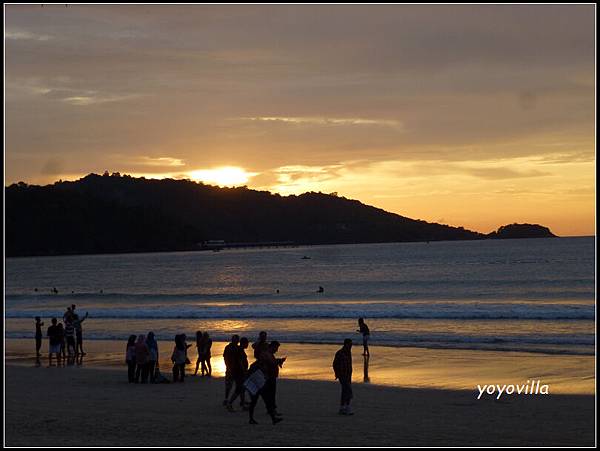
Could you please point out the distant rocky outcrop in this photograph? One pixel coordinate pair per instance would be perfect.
(522, 231)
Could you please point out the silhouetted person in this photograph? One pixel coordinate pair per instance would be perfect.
(364, 330)
(78, 330)
(342, 367)
(179, 358)
(260, 345)
(239, 373)
(54, 342)
(152, 356)
(269, 365)
(70, 336)
(38, 335)
(321, 290)
(230, 356)
(130, 359)
(68, 315)
(199, 350)
(54, 290)
(142, 354)
(206, 347)
(63, 341)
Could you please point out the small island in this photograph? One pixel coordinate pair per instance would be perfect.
(522, 231)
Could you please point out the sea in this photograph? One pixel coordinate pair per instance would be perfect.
(529, 295)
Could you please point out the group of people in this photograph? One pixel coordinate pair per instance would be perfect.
(141, 357)
(258, 380)
(65, 338)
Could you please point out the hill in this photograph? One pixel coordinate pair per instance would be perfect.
(114, 213)
(104, 214)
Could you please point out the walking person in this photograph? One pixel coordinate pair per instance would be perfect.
(38, 336)
(179, 358)
(130, 359)
(269, 365)
(342, 367)
(152, 356)
(260, 345)
(239, 373)
(54, 342)
(364, 330)
(230, 357)
(142, 355)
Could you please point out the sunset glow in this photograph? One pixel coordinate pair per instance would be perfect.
(478, 117)
(223, 176)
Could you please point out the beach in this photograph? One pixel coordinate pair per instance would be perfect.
(97, 407)
(413, 397)
(443, 317)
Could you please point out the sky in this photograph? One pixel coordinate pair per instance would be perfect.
(467, 115)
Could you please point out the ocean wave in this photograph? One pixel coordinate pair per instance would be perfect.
(582, 344)
(292, 310)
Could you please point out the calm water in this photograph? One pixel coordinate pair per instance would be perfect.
(533, 294)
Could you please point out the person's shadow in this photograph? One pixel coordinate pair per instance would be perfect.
(366, 369)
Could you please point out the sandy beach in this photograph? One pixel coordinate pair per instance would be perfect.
(93, 406)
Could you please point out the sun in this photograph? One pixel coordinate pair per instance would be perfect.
(222, 176)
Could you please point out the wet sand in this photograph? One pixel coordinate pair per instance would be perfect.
(415, 397)
(88, 406)
(448, 369)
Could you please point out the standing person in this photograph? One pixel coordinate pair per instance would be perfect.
(70, 335)
(269, 365)
(130, 359)
(153, 355)
(239, 373)
(179, 358)
(199, 347)
(63, 344)
(206, 345)
(38, 336)
(78, 332)
(364, 330)
(68, 314)
(141, 359)
(342, 367)
(54, 341)
(230, 357)
(260, 345)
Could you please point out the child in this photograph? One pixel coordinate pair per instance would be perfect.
(38, 336)
(130, 359)
(364, 330)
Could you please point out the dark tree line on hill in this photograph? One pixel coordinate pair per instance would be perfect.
(113, 213)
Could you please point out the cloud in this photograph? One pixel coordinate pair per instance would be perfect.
(161, 161)
(500, 173)
(326, 121)
(85, 100)
(20, 35)
(53, 166)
